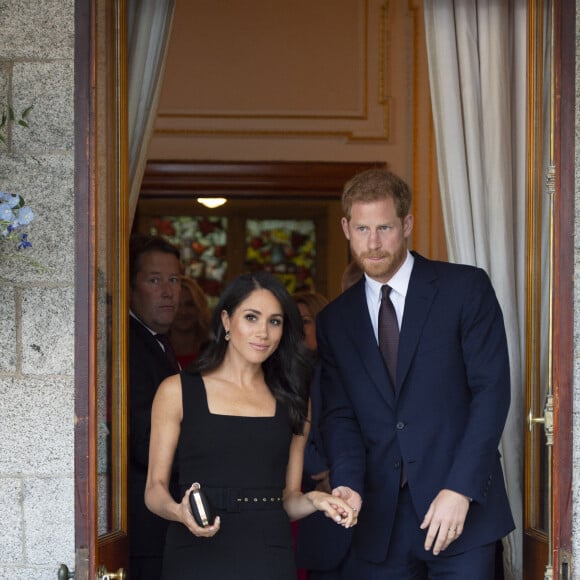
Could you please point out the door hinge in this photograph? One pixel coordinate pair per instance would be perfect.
(565, 565)
(82, 564)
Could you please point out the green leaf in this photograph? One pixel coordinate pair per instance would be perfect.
(11, 114)
(24, 113)
(22, 123)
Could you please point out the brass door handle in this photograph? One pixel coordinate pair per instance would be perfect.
(547, 420)
(534, 420)
(103, 574)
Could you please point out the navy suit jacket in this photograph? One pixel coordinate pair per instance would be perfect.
(443, 418)
(148, 366)
(321, 543)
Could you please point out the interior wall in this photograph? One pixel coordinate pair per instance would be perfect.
(332, 80)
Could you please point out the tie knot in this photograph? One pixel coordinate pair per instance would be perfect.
(385, 291)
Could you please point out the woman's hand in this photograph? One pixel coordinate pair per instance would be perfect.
(334, 508)
(186, 518)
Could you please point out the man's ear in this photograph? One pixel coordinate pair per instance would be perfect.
(407, 225)
(344, 224)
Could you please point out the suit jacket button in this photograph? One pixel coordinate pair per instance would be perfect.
(397, 464)
(400, 425)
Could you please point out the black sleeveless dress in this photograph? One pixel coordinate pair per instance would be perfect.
(240, 463)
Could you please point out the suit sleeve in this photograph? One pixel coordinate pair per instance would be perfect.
(147, 369)
(485, 356)
(340, 431)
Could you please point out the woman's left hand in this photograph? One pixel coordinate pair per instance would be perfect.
(334, 508)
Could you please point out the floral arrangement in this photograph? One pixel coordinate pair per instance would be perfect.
(15, 215)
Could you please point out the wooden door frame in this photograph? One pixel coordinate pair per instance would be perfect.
(99, 80)
(85, 242)
(565, 79)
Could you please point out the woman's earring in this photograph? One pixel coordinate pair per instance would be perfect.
(227, 335)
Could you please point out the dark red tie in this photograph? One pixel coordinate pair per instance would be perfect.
(169, 352)
(389, 344)
(388, 332)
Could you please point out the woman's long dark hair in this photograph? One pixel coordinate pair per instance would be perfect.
(288, 370)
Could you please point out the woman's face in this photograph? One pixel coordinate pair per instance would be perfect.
(309, 327)
(255, 327)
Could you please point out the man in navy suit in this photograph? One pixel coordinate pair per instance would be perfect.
(155, 285)
(416, 452)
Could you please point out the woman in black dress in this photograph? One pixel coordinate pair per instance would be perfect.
(236, 424)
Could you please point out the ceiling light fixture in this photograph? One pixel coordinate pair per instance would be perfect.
(211, 202)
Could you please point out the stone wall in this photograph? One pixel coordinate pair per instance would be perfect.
(37, 292)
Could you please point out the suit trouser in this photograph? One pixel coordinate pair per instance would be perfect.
(344, 571)
(407, 558)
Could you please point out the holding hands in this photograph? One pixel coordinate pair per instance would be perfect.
(334, 507)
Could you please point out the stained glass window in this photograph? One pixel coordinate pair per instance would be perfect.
(202, 245)
(287, 248)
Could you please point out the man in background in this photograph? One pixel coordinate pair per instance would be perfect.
(155, 285)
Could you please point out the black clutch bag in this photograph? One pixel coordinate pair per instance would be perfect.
(200, 506)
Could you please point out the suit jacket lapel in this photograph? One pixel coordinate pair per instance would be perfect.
(359, 324)
(420, 296)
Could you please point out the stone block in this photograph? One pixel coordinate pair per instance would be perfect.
(48, 331)
(36, 426)
(12, 536)
(50, 521)
(49, 88)
(37, 29)
(4, 76)
(7, 329)
(28, 573)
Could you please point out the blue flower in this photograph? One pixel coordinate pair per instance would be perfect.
(5, 212)
(24, 243)
(11, 199)
(25, 215)
(14, 215)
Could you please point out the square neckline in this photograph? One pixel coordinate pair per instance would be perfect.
(251, 417)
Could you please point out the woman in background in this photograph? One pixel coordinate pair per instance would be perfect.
(310, 304)
(189, 332)
(236, 422)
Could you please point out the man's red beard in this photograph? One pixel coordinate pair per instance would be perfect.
(384, 269)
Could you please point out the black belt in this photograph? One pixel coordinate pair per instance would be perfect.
(232, 499)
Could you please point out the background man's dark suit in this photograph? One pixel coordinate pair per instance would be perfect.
(148, 366)
(444, 417)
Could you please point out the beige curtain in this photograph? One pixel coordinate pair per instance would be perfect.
(149, 28)
(477, 67)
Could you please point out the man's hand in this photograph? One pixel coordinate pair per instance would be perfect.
(351, 497)
(445, 519)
